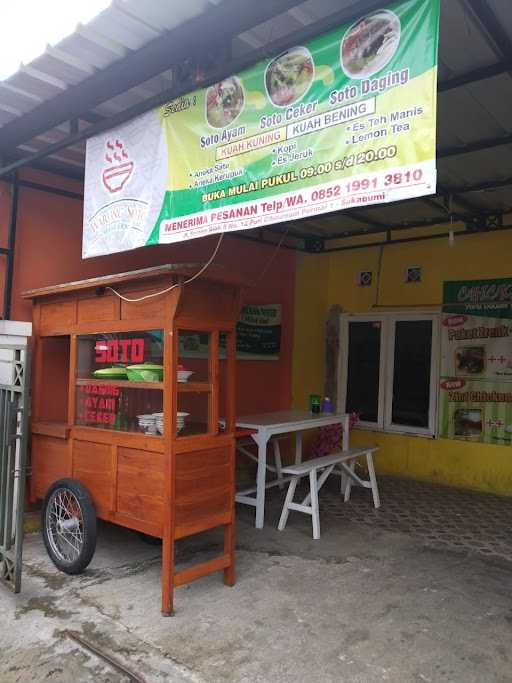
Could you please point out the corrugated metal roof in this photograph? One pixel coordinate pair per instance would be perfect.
(477, 111)
(125, 26)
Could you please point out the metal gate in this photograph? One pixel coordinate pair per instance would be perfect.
(14, 403)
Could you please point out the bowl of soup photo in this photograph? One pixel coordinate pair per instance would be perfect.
(289, 76)
(224, 102)
(370, 44)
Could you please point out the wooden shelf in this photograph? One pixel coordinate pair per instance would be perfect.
(59, 430)
(124, 383)
(187, 387)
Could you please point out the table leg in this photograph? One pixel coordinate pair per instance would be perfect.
(278, 462)
(261, 442)
(298, 448)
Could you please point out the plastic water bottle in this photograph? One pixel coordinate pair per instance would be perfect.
(327, 405)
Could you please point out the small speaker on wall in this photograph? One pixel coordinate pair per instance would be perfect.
(365, 278)
(413, 274)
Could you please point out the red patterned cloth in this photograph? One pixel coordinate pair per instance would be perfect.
(330, 438)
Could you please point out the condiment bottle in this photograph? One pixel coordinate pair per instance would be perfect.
(327, 405)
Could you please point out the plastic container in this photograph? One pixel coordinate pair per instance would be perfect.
(110, 373)
(327, 406)
(146, 372)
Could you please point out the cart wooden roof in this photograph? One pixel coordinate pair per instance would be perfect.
(215, 273)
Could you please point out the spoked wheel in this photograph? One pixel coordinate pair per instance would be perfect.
(69, 526)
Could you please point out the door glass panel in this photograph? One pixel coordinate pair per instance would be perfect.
(119, 408)
(224, 385)
(106, 356)
(113, 383)
(411, 376)
(193, 356)
(193, 410)
(364, 347)
(54, 384)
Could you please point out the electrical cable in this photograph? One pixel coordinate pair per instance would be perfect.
(201, 271)
(177, 284)
(379, 276)
(271, 259)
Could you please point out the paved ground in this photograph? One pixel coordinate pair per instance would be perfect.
(439, 516)
(365, 603)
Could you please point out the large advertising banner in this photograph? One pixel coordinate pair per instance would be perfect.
(476, 361)
(344, 120)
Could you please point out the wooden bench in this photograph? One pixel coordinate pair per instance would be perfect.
(346, 461)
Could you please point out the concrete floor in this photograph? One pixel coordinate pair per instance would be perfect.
(363, 604)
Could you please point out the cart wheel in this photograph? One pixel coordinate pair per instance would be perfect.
(69, 525)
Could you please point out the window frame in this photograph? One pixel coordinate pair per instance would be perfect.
(388, 321)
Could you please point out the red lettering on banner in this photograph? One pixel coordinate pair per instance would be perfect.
(98, 417)
(100, 389)
(112, 351)
(451, 384)
(101, 352)
(137, 350)
(119, 351)
(455, 320)
(124, 344)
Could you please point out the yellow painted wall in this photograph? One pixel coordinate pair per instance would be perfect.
(327, 279)
(311, 306)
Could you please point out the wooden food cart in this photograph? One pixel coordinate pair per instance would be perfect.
(136, 447)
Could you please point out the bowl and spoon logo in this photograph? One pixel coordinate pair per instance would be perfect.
(120, 168)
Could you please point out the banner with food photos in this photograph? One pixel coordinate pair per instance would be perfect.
(476, 361)
(347, 119)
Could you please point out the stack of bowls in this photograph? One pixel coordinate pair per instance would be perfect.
(147, 423)
(180, 420)
(159, 421)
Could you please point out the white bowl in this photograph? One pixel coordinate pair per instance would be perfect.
(147, 423)
(183, 375)
(146, 419)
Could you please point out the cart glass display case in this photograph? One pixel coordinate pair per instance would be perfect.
(131, 381)
(119, 380)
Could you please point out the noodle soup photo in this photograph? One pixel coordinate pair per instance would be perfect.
(288, 77)
(224, 102)
(370, 44)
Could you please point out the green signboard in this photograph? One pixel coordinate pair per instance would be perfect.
(258, 333)
(346, 119)
(476, 361)
(258, 336)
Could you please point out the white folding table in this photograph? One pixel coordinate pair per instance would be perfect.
(267, 425)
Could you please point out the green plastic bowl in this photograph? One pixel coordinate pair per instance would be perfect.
(110, 373)
(146, 372)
